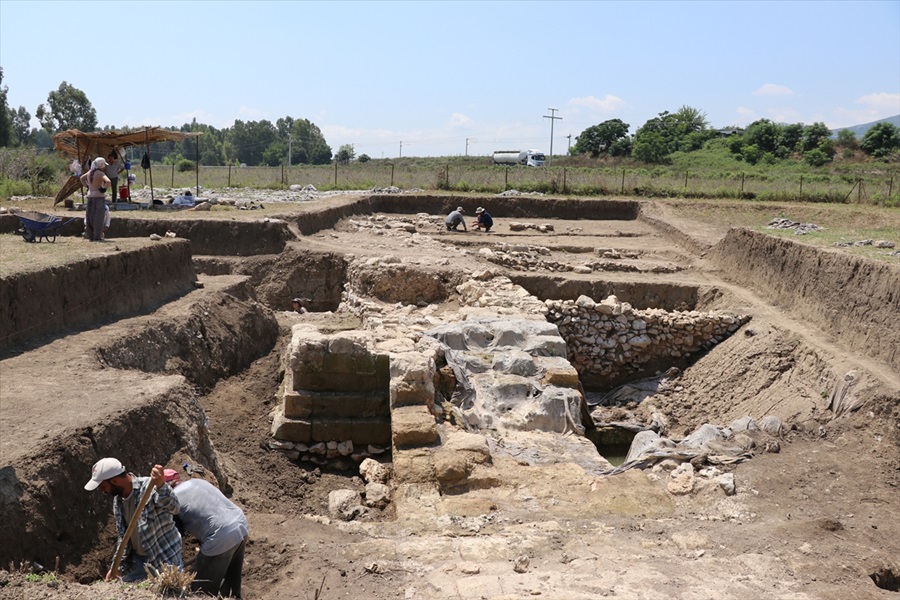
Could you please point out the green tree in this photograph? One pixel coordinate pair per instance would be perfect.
(764, 134)
(815, 158)
(67, 108)
(364, 158)
(344, 154)
(661, 136)
(881, 140)
(690, 119)
(790, 136)
(21, 126)
(650, 146)
(5, 121)
(813, 135)
(846, 138)
(598, 139)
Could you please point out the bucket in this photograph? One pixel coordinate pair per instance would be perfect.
(124, 193)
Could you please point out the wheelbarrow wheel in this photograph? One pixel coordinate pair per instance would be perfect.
(28, 235)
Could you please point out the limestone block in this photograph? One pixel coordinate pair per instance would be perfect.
(451, 468)
(345, 504)
(473, 445)
(413, 426)
(373, 471)
(410, 393)
(413, 466)
(294, 430)
(562, 377)
(378, 495)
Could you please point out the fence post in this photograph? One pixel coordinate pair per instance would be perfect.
(742, 185)
(392, 174)
(801, 186)
(623, 182)
(859, 191)
(685, 179)
(335, 173)
(506, 179)
(229, 174)
(564, 180)
(282, 174)
(173, 174)
(890, 191)
(447, 176)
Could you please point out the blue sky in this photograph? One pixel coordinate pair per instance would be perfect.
(431, 75)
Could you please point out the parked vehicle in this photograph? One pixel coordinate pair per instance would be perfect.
(529, 158)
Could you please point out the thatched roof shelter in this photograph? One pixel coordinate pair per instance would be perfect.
(87, 146)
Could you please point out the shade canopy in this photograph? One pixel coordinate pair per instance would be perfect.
(88, 146)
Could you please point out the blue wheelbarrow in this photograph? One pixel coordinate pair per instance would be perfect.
(36, 226)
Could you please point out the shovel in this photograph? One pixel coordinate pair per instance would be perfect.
(114, 571)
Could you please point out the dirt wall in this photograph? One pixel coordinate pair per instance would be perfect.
(318, 277)
(854, 298)
(211, 236)
(520, 207)
(219, 336)
(43, 504)
(640, 294)
(80, 294)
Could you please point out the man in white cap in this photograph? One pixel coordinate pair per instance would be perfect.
(155, 541)
(455, 219)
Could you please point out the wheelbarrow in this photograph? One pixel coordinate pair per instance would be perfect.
(36, 226)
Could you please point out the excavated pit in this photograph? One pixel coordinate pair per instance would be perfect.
(191, 339)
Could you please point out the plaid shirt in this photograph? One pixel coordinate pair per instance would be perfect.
(155, 526)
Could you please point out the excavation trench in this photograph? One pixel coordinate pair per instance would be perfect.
(353, 369)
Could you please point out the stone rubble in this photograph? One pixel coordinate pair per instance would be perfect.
(611, 339)
(799, 228)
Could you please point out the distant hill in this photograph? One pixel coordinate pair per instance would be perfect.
(860, 130)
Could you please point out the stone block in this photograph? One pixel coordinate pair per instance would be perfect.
(412, 393)
(326, 430)
(294, 430)
(413, 426)
(308, 404)
(372, 431)
(562, 377)
(413, 466)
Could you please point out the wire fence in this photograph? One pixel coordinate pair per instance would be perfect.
(876, 188)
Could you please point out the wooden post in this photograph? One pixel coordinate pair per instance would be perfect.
(335, 172)
(890, 190)
(859, 191)
(506, 179)
(623, 182)
(447, 176)
(229, 174)
(742, 184)
(173, 174)
(150, 168)
(392, 175)
(801, 186)
(685, 179)
(282, 174)
(197, 166)
(564, 180)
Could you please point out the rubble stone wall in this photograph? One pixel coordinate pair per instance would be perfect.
(609, 341)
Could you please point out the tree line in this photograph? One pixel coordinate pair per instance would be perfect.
(687, 130)
(251, 143)
(300, 141)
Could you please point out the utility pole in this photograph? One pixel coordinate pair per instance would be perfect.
(401, 150)
(467, 146)
(570, 143)
(552, 116)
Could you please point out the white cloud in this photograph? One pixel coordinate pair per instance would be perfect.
(874, 107)
(608, 103)
(881, 102)
(251, 114)
(745, 115)
(460, 120)
(773, 89)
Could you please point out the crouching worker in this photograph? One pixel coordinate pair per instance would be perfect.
(220, 527)
(482, 220)
(155, 541)
(455, 219)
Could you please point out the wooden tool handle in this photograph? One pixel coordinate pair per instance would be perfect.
(114, 571)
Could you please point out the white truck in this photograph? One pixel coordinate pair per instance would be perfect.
(529, 158)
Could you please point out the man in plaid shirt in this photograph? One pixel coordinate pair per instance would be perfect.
(155, 541)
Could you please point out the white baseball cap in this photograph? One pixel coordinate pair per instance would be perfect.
(103, 469)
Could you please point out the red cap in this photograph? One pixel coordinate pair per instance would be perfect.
(171, 476)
